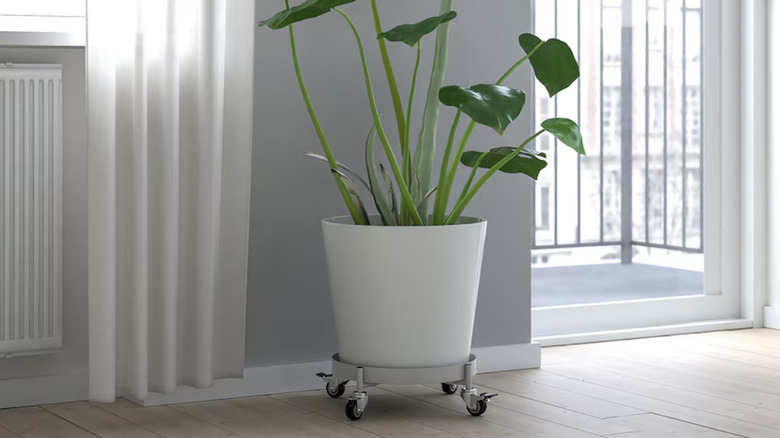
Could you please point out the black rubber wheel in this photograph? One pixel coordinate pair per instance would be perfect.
(352, 411)
(479, 409)
(449, 388)
(336, 391)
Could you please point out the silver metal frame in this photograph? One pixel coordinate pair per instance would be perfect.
(366, 376)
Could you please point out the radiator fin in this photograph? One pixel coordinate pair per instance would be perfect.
(30, 208)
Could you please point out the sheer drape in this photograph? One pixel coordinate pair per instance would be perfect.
(169, 87)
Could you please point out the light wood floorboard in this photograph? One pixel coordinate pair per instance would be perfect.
(708, 385)
(99, 421)
(34, 422)
(5, 433)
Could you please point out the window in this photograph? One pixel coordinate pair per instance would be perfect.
(543, 207)
(654, 111)
(611, 120)
(656, 119)
(43, 22)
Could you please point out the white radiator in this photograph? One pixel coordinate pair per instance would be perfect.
(30, 208)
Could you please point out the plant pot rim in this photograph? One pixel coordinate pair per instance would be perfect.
(376, 222)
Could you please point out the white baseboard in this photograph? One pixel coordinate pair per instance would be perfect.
(43, 390)
(302, 377)
(508, 357)
(256, 381)
(644, 332)
(772, 317)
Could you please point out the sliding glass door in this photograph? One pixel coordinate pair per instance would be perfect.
(629, 236)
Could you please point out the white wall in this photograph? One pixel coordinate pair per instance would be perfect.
(63, 373)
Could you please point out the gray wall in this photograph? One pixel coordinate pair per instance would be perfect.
(289, 314)
(73, 357)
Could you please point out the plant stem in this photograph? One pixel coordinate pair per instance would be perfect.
(398, 108)
(467, 186)
(353, 211)
(517, 64)
(439, 204)
(406, 150)
(406, 197)
(444, 190)
(458, 209)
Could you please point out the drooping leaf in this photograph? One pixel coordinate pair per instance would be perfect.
(411, 33)
(390, 191)
(567, 132)
(425, 197)
(418, 193)
(341, 166)
(304, 11)
(553, 63)
(528, 162)
(388, 218)
(353, 193)
(491, 105)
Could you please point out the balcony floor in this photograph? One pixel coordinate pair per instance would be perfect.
(557, 286)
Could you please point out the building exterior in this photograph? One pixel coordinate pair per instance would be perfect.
(638, 103)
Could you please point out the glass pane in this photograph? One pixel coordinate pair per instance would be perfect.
(643, 140)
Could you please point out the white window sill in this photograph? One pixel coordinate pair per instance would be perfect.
(43, 39)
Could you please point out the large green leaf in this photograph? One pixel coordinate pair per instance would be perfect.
(304, 11)
(567, 132)
(353, 193)
(554, 63)
(491, 105)
(528, 162)
(411, 33)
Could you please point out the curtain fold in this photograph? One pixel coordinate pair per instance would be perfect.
(169, 92)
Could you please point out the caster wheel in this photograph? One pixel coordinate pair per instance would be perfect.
(336, 391)
(352, 411)
(449, 388)
(479, 409)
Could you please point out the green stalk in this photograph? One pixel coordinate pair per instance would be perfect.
(439, 204)
(399, 110)
(405, 149)
(467, 186)
(406, 197)
(461, 205)
(427, 140)
(517, 64)
(450, 178)
(353, 210)
(444, 190)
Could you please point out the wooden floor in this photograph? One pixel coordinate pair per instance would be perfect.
(722, 384)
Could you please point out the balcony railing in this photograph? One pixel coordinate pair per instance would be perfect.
(638, 102)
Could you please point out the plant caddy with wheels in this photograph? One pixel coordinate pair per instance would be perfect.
(404, 281)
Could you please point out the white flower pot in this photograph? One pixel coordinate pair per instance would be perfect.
(404, 296)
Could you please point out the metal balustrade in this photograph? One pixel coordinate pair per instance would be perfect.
(639, 105)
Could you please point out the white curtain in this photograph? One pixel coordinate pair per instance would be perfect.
(169, 91)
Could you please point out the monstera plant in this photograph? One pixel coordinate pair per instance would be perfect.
(411, 169)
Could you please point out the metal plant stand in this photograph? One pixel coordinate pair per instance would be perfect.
(365, 376)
